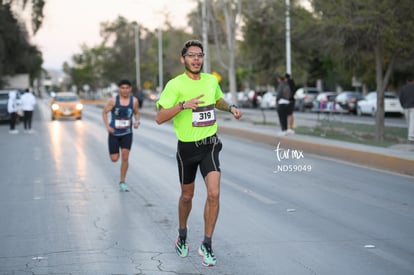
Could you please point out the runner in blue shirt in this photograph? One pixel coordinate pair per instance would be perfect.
(123, 108)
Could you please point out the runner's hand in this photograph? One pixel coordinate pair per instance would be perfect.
(193, 103)
(237, 113)
(110, 129)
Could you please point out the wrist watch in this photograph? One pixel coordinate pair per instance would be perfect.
(234, 106)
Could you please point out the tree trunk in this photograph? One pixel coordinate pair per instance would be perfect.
(382, 83)
(231, 27)
(379, 116)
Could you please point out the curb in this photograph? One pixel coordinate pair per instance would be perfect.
(379, 160)
(376, 160)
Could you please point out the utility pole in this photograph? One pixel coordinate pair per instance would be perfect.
(137, 59)
(288, 53)
(160, 64)
(205, 37)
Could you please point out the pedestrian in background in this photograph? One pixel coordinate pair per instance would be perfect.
(407, 102)
(190, 100)
(283, 104)
(12, 110)
(292, 88)
(28, 102)
(123, 108)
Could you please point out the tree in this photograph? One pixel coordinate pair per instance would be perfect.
(232, 12)
(225, 16)
(36, 14)
(114, 58)
(264, 39)
(119, 37)
(88, 67)
(379, 28)
(17, 55)
(263, 48)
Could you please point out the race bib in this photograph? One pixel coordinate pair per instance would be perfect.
(122, 123)
(204, 116)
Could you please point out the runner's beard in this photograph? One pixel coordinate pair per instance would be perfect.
(188, 68)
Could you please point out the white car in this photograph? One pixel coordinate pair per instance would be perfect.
(304, 97)
(268, 100)
(368, 105)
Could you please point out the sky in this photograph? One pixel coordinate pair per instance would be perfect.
(68, 24)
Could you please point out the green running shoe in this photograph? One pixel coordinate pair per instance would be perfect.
(182, 247)
(208, 256)
(123, 186)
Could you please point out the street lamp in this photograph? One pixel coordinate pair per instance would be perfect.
(137, 60)
(205, 17)
(160, 64)
(288, 61)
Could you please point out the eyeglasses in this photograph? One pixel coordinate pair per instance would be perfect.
(193, 55)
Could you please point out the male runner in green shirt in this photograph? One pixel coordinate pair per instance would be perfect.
(190, 99)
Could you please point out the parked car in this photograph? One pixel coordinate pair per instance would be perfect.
(304, 97)
(368, 105)
(268, 100)
(247, 99)
(325, 101)
(4, 99)
(347, 100)
(66, 104)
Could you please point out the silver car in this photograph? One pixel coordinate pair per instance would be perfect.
(304, 97)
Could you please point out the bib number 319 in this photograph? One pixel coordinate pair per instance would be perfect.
(204, 116)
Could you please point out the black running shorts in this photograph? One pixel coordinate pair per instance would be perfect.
(203, 153)
(116, 142)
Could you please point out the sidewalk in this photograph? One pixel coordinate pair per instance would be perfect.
(398, 158)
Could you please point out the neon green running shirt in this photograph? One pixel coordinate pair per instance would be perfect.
(182, 88)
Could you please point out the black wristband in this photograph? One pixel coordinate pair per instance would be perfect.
(181, 105)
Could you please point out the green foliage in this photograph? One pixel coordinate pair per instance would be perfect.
(333, 43)
(373, 34)
(36, 10)
(264, 44)
(37, 14)
(264, 40)
(17, 55)
(121, 54)
(356, 27)
(115, 59)
(87, 64)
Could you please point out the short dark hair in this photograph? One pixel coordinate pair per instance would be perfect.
(287, 75)
(190, 43)
(124, 82)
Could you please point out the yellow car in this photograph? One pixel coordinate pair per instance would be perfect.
(66, 104)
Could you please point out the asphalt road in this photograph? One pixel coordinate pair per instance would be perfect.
(282, 211)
